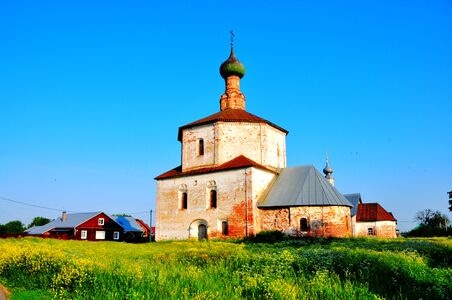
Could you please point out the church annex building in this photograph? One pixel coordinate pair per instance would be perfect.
(233, 180)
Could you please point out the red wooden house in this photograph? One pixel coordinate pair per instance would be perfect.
(95, 226)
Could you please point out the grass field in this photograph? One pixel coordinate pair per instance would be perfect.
(34, 268)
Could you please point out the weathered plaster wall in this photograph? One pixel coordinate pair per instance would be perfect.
(259, 142)
(325, 221)
(190, 157)
(262, 180)
(385, 229)
(232, 187)
(354, 225)
(224, 141)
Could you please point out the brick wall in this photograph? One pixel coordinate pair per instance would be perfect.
(324, 221)
(233, 187)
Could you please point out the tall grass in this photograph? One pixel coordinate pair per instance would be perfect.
(317, 269)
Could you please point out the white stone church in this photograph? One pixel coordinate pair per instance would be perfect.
(233, 180)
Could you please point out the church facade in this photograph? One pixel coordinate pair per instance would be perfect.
(233, 180)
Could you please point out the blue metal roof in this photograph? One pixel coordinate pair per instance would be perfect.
(128, 223)
(354, 199)
(302, 186)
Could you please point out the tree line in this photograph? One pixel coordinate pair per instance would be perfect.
(17, 227)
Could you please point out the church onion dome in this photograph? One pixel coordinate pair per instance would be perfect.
(327, 170)
(232, 66)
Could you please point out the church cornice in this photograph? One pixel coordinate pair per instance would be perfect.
(239, 162)
(229, 115)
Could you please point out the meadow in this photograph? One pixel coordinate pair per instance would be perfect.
(33, 268)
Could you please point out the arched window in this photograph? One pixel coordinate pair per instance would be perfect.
(303, 224)
(184, 201)
(224, 227)
(200, 147)
(211, 194)
(213, 199)
(183, 197)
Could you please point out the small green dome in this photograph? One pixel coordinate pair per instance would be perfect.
(232, 66)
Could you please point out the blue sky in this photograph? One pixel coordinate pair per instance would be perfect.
(92, 94)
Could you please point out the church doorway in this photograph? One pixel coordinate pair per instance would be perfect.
(202, 232)
(198, 229)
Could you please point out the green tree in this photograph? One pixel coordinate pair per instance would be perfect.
(39, 221)
(431, 223)
(432, 219)
(14, 227)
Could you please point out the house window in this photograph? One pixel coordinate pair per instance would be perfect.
(83, 234)
(303, 224)
(116, 235)
(224, 227)
(213, 199)
(100, 221)
(100, 235)
(370, 231)
(200, 147)
(184, 201)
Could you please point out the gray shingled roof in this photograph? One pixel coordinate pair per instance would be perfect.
(72, 221)
(302, 186)
(354, 199)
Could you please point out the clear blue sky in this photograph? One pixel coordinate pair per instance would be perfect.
(92, 94)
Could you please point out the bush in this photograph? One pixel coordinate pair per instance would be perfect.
(427, 231)
(268, 237)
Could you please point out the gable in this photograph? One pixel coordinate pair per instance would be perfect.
(354, 199)
(93, 222)
(372, 212)
(302, 186)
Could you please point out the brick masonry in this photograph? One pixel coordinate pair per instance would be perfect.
(237, 194)
(325, 221)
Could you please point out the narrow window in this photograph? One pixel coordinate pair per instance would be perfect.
(83, 234)
(100, 221)
(370, 231)
(182, 194)
(184, 201)
(200, 147)
(303, 224)
(224, 227)
(116, 235)
(213, 199)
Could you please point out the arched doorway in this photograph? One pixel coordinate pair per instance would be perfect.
(202, 232)
(198, 229)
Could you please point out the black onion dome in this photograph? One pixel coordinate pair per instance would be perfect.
(232, 66)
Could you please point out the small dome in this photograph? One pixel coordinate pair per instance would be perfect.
(232, 66)
(327, 170)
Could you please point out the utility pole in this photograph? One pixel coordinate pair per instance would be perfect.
(450, 200)
(151, 233)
